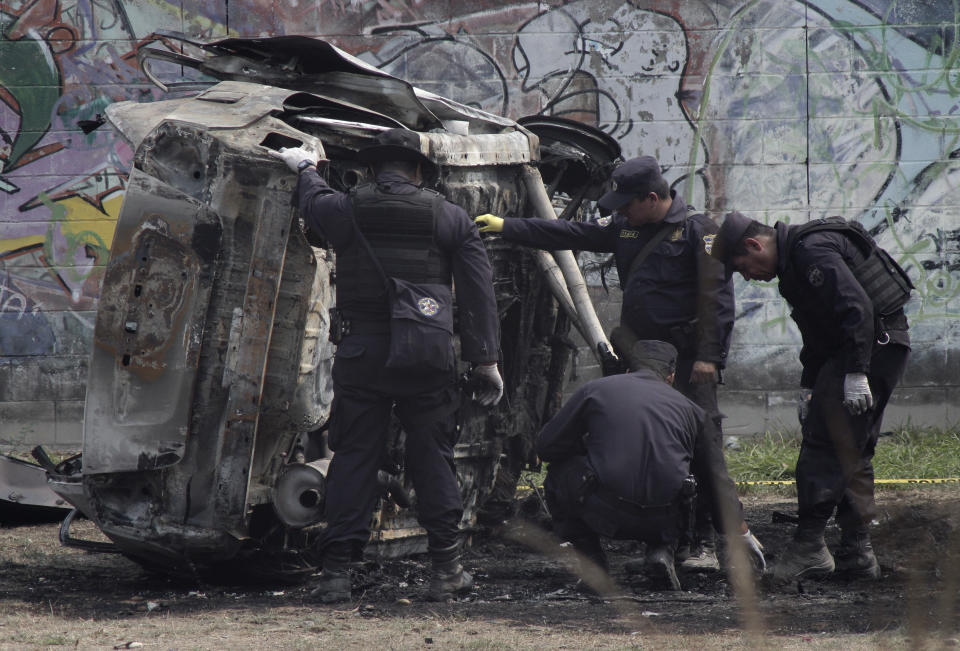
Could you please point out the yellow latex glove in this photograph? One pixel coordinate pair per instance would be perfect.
(489, 223)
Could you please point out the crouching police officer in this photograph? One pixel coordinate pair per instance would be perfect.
(620, 453)
(673, 290)
(847, 296)
(415, 236)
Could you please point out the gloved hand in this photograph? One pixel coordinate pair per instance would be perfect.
(754, 551)
(489, 223)
(745, 547)
(292, 156)
(856, 393)
(803, 406)
(491, 382)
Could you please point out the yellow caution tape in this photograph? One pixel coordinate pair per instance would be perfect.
(791, 482)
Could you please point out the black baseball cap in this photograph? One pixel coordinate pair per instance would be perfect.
(394, 144)
(728, 238)
(630, 179)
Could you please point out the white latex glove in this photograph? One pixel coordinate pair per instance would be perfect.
(754, 551)
(803, 406)
(292, 156)
(856, 393)
(492, 384)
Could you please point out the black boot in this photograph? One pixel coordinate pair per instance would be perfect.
(855, 555)
(334, 582)
(449, 578)
(805, 557)
(658, 566)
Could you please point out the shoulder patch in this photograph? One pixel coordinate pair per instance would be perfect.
(708, 242)
(604, 221)
(428, 306)
(814, 275)
(628, 234)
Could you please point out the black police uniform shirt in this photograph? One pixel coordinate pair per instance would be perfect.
(833, 313)
(642, 438)
(330, 214)
(677, 283)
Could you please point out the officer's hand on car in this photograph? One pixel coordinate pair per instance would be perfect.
(856, 393)
(489, 223)
(293, 156)
(490, 388)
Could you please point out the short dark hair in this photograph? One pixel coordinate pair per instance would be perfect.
(753, 230)
(659, 186)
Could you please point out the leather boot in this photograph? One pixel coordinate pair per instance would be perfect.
(855, 555)
(804, 558)
(449, 578)
(334, 582)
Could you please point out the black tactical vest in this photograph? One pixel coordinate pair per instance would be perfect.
(401, 231)
(886, 284)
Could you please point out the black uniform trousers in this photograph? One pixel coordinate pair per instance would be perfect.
(365, 392)
(704, 395)
(835, 466)
(581, 511)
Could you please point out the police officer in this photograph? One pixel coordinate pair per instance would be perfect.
(675, 292)
(855, 347)
(620, 452)
(418, 237)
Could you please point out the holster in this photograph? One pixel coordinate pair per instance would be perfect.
(684, 338)
(339, 326)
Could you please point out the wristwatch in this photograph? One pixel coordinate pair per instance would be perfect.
(304, 164)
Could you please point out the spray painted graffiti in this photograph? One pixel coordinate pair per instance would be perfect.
(784, 110)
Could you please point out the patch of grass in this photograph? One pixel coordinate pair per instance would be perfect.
(918, 453)
(769, 457)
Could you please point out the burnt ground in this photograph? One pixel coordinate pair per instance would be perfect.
(917, 538)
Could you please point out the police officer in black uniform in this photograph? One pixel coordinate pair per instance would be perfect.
(847, 297)
(620, 452)
(418, 237)
(675, 293)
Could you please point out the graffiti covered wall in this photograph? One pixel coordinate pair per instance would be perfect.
(781, 109)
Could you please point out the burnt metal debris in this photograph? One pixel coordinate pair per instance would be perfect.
(209, 383)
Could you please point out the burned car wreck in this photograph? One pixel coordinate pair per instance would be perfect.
(209, 384)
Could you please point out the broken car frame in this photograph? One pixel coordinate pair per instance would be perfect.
(211, 359)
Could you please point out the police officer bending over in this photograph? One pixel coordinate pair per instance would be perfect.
(672, 289)
(620, 454)
(847, 297)
(418, 237)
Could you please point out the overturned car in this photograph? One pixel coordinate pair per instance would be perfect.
(209, 385)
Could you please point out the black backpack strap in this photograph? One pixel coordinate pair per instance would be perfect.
(651, 244)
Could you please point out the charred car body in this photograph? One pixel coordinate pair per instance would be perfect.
(211, 359)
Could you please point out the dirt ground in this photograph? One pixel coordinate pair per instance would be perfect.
(54, 596)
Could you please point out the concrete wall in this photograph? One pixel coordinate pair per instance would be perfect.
(784, 110)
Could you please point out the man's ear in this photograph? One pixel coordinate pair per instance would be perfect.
(753, 244)
(670, 378)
